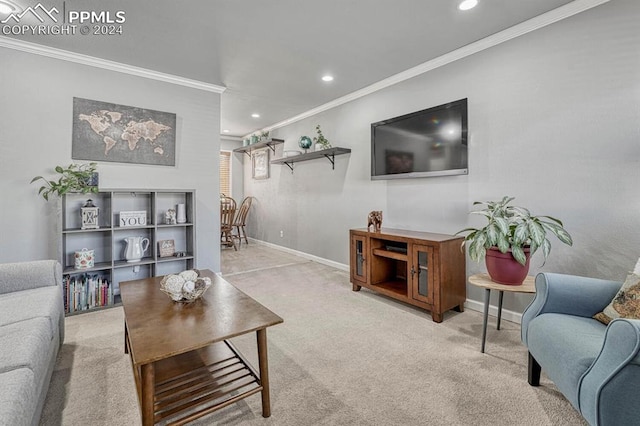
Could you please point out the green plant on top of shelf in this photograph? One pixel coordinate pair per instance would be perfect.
(80, 178)
(320, 139)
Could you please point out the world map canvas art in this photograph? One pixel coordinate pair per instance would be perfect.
(108, 132)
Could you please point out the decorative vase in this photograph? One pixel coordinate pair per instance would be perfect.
(254, 139)
(305, 143)
(93, 180)
(135, 248)
(181, 214)
(504, 269)
(84, 258)
(246, 142)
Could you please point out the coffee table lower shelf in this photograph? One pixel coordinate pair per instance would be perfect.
(196, 383)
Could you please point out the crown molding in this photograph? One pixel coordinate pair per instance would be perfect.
(227, 137)
(541, 21)
(105, 64)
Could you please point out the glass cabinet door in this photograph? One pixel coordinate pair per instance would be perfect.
(358, 258)
(422, 273)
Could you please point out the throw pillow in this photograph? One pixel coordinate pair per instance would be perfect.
(626, 303)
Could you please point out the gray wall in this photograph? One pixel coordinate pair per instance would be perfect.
(553, 121)
(237, 161)
(36, 111)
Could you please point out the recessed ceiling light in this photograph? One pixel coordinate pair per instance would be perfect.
(225, 131)
(327, 78)
(254, 115)
(467, 4)
(7, 7)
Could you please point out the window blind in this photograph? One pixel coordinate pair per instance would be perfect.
(225, 173)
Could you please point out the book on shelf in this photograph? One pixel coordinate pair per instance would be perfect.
(85, 292)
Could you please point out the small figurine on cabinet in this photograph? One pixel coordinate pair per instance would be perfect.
(375, 219)
(170, 217)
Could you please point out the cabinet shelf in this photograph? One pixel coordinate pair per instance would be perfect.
(107, 242)
(125, 264)
(271, 143)
(129, 228)
(393, 288)
(80, 230)
(97, 308)
(178, 225)
(173, 258)
(390, 254)
(328, 153)
(99, 266)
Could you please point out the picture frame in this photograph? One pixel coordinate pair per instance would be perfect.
(166, 248)
(104, 131)
(260, 164)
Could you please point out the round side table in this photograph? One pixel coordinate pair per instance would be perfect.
(484, 281)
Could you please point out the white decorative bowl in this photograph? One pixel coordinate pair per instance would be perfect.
(186, 286)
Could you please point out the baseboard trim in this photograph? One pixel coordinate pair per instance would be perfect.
(473, 305)
(507, 315)
(318, 259)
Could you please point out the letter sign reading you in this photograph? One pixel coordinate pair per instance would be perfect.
(133, 218)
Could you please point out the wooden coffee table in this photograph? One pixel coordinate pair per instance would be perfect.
(183, 363)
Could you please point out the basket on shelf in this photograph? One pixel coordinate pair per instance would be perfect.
(187, 286)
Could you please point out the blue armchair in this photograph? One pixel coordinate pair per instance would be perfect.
(596, 367)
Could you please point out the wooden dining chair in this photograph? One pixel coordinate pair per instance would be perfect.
(227, 217)
(241, 219)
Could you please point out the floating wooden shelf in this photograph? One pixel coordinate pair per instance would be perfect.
(271, 143)
(329, 154)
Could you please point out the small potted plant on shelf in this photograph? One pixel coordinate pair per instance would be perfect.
(264, 136)
(320, 141)
(81, 178)
(509, 239)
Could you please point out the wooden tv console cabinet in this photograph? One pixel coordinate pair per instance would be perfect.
(420, 268)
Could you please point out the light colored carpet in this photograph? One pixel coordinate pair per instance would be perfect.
(340, 358)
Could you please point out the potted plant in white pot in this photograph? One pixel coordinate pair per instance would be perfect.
(509, 239)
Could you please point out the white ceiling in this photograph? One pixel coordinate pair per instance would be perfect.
(271, 54)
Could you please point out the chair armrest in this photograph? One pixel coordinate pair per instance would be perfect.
(28, 275)
(568, 294)
(608, 389)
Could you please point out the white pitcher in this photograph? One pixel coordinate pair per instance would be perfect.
(135, 248)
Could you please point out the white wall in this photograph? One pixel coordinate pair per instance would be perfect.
(35, 136)
(553, 120)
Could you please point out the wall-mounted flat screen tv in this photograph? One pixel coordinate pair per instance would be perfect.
(431, 142)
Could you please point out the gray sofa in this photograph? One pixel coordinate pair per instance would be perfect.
(31, 333)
